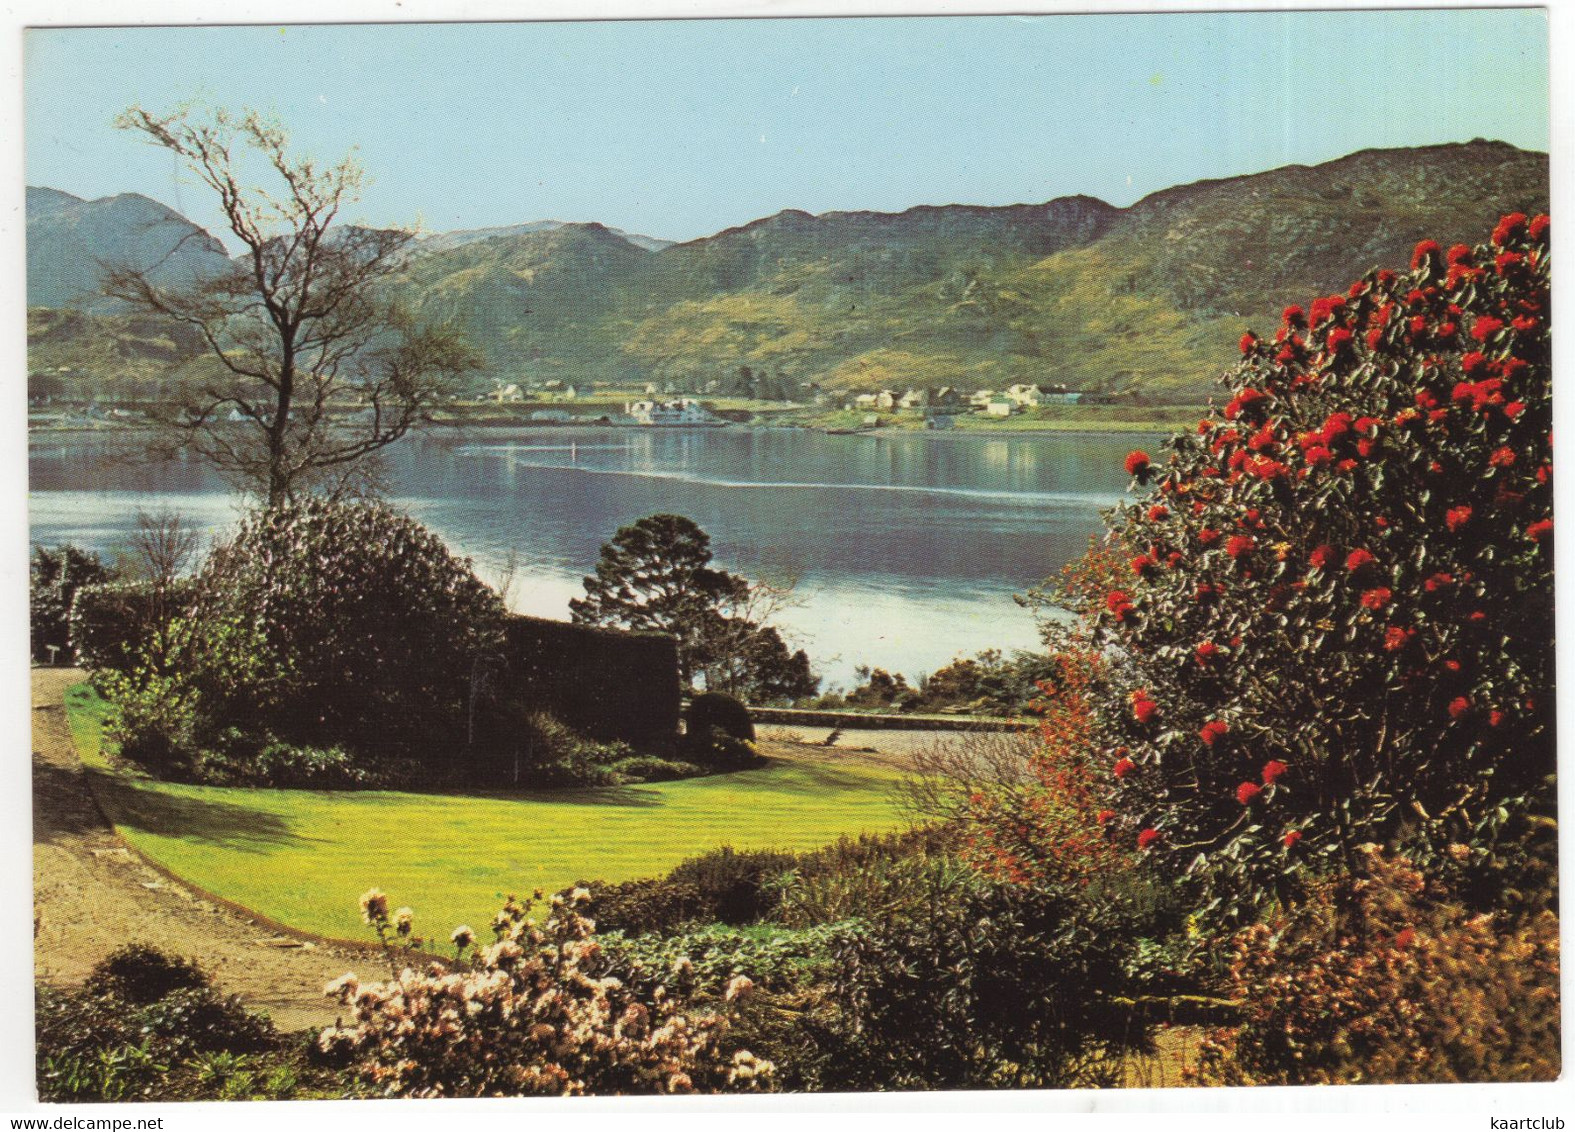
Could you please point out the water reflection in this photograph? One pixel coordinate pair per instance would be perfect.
(908, 548)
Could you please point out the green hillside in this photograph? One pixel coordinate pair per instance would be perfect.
(1144, 301)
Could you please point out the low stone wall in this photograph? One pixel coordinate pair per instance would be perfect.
(863, 721)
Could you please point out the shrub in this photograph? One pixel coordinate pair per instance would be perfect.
(648, 906)
(141, 1017)
(649, 768)
(114, 625)
(714, 749)
(527, 1016)
(1337, 612)
(972, 983)
(330, 625)
(721, 711)
(734, 883)
(141, 974)
(1373, 979)
(54, 577)
(278, 765)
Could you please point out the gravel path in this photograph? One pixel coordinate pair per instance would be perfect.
(91, 895)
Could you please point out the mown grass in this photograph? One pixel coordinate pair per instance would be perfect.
(303, 857)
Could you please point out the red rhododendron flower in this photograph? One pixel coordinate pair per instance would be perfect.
(1396, 638)
(1458, 517)
(1425, 399)
(1122, 768)
(1249, 342)
(1206, 652)
(1365, 447)
(1321, 557)
(1156, 513)
(1272, 770)
(1539, 226)
(1405, 937)
(1424, 250)
(1473, 361)
(1438, 581)
(1508, 227)
(1247, 791)
(1358, 559)
(1485, 327)
(1117, 599)
(1142, 564)
(1457, 254)
(1524, 323)
(1376, 598)
(1514, 409)
(1212, 730)
(1502, 458)
(1495, 717)
(1293, 315)
(1339, 338)
(1458, 707)
(1145, 710)
(1103, 816)
(1137, 463)
(1505, 261)
(1237, 545)
(1208, 536)
(1291, 838)
(1147, 837)
(1539, 530)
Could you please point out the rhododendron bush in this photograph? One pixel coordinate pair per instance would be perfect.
(1336, 620)
(528, 1015)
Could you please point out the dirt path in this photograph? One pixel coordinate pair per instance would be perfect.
(91, 895)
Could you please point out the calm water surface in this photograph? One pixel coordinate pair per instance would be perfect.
(907, 548)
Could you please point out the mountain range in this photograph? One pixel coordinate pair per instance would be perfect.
(1145, 300)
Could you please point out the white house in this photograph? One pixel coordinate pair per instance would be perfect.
(912, 399)
(982, 399)
(669, 414)
(886, 399)
(864, 401)
(1025, 396)
(1000, 406)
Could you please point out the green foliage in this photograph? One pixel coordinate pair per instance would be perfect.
(656, 576)
(1374, 979)
(649, 768)
(775, 960)
(141, 974)
(322, 625)
(54, 577)
(1338, 616)
(114, 625)
(970, 983)
(141, 1027)
(648, 906)
(719, 710)
(734, 883)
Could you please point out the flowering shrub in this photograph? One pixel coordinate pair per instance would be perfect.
(527, 1015)
(1340, 617)
(1372, 979)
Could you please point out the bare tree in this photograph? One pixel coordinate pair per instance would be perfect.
(317, 369)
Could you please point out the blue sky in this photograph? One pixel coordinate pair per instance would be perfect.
(681, 128)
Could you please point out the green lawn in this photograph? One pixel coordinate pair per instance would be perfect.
(303, 857)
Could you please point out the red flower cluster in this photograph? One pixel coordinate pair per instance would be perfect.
(1510, 225)
(1396, 638)
(1146, 838)
(1291, 838)
(1157, 512)
(1458, 517)
(1118, 603)
(1123, 767)
(1502, 458)
(1206, 653)
(1321, 557)
(1213, 730)
(1376, 599)
(1237, 545)
(1357, 559)
(1143, 708)
(1137, 463)
(1272, 770)
(1458, 707)
(1539, 530)
(1247, 791)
